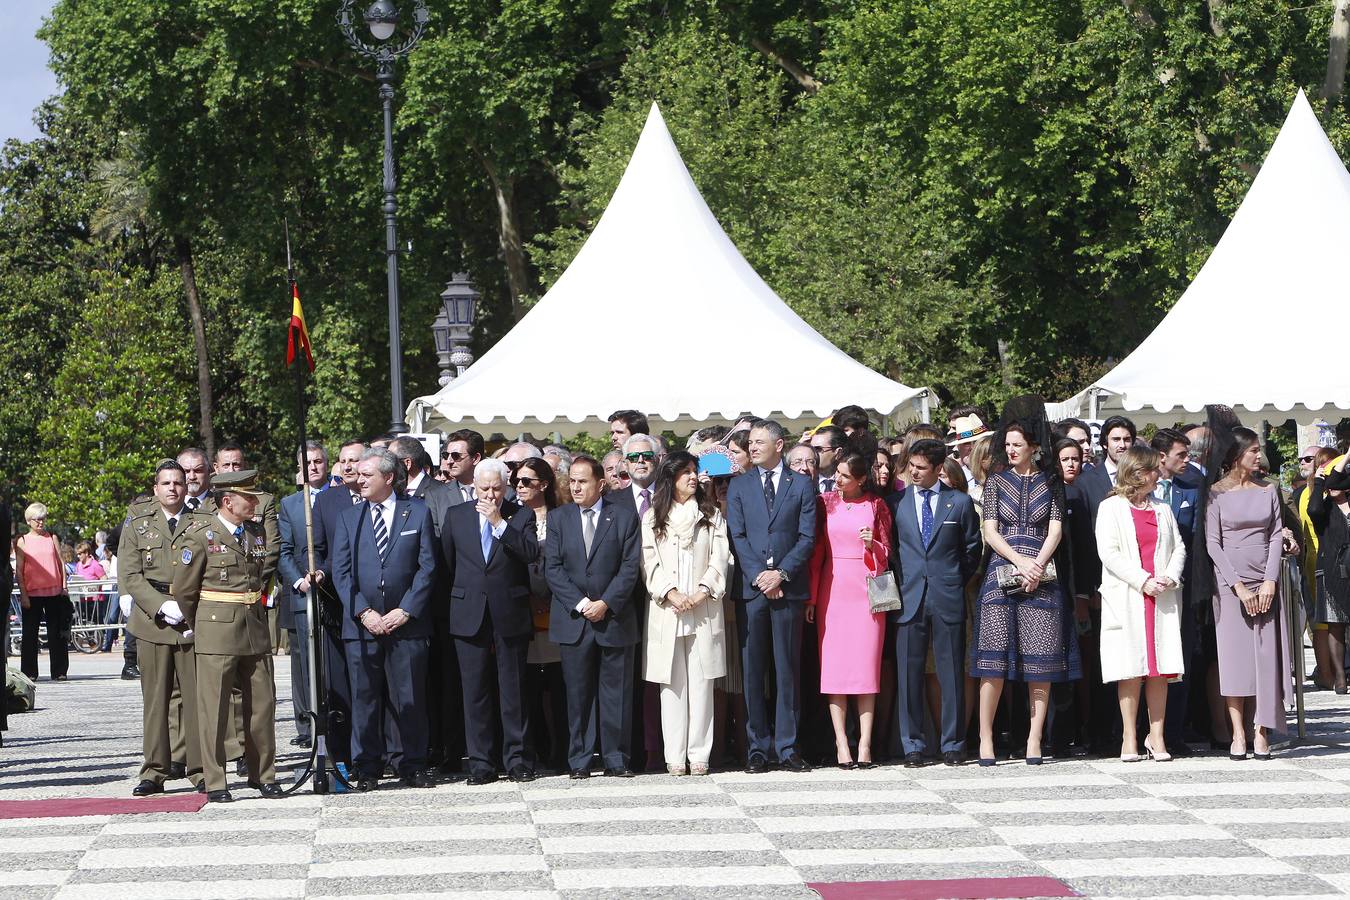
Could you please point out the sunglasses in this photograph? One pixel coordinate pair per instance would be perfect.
(525, 481)
(1306, 459)
(454, 455)
(648, 455)
(514, 464)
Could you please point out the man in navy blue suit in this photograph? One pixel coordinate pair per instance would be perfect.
(328, 506)
(592, 560)
(1183, 497)
(1099, 482)
(771, 519)
(292, 571)
(937, 548)
(384, 568)
(488, 547)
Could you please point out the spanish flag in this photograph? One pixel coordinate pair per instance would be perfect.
(299, 334)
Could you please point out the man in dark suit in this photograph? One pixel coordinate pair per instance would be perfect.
(445, 710)
(384, 567)
(1099, 482)
(327, 508)
(592, 561)
(293, 567)
(1096, 484)
(1183, 498)
(771, 519)
(936, 536)
(488, 547)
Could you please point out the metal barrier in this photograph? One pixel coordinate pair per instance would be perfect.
(91, 602)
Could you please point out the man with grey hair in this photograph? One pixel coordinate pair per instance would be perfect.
(384, 569)
(559, 459)
(488, 547)
(521, 451)
(616, 476)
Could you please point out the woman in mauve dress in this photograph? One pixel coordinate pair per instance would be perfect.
(1244, 536)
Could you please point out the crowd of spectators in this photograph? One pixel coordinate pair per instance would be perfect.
(1132, 586)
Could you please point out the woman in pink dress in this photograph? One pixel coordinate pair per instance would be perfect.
(853, 527)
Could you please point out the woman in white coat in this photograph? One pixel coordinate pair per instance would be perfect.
(684, 563)
(1142, 558)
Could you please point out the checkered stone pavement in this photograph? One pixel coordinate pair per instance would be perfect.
(1203, 827)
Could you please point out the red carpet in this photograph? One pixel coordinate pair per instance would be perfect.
(944, 889)
(101, 806)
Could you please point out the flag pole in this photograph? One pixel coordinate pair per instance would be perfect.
(318, 704)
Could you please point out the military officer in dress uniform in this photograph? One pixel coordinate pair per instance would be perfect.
(148, 555)
(218, 584)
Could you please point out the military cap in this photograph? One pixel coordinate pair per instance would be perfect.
(245, 481)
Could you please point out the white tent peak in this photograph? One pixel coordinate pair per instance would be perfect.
(657, 312)
(1283, 250)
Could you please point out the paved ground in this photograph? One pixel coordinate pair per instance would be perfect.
(1202, 827)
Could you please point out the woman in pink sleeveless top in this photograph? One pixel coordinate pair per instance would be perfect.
(42, 594)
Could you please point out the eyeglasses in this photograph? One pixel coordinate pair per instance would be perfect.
(1306, 459)
(524, 481)
(648, 455)
(453, 455)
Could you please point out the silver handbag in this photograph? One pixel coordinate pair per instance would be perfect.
(883, 594)
(1010, 580)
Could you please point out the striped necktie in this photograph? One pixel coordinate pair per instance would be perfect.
(381, 533)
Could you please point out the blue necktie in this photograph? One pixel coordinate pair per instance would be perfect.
(487, 540)
(927, 527)
(239, 535)
(768, 489)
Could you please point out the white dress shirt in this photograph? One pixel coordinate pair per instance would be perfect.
(414, 482)
(637, 494)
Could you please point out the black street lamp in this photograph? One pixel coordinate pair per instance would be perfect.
(453, 327)
(381, 17)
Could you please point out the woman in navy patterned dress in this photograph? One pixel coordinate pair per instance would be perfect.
(1022, 634)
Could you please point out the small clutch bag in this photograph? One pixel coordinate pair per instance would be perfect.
(1010, 580)
(883, 594)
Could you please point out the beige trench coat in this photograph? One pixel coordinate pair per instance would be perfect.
(711, 553)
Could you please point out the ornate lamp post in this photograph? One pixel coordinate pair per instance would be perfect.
(454, 326)
(381, 18)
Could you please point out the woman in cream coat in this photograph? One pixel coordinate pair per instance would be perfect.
(1142, 558)
(684, 563)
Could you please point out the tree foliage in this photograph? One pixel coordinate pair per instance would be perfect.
(986, 197)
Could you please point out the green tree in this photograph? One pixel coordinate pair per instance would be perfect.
(120, 401)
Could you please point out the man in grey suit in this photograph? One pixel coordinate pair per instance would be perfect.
(445, 698)
(292, 568)
(936, 535)
(463, 450)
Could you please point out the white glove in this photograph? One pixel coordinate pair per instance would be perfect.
(187, 635)
(124, 602)
(171, 613)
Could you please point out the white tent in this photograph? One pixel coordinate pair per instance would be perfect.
(659, 312)
(1237, 335)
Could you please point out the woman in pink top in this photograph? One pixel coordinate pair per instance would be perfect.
(42, 594)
